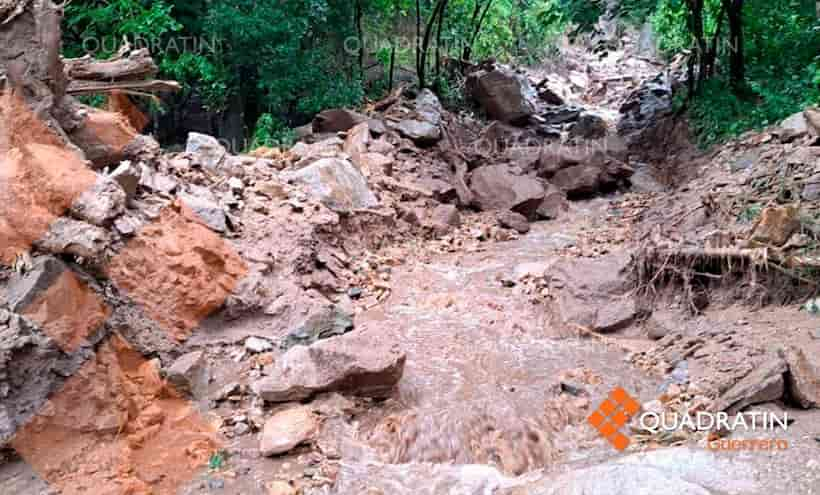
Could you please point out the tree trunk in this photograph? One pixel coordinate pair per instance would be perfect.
(425, 45)
(737, 67)
(31, 68)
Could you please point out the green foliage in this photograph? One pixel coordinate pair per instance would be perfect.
(102, 25)
(781, 40)
(271, 131)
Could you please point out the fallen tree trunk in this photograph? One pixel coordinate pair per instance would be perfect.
(31, 67)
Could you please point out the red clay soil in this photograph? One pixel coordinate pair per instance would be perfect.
(116, 428)
(68, 311)
(39, 177)
(104, 136)
(178, 270)
(38, 183)
(119, 102)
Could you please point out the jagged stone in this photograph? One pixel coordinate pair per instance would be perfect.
(349, 363)
(336, 183)
(101, 204)
(207, 150)
(495, 187)
(286, 429)
(804, 375)
(503, 94)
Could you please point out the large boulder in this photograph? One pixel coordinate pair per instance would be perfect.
(495, 187)
(336, 183)
(503, 94)
(336, 120)
(350, 363)
(593, 294)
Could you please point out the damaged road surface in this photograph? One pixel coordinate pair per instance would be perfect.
(408, 300)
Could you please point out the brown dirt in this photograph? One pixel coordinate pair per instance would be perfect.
(68, 311)
(116, 428)
(39, 183)
(119, 102)
(178, 270)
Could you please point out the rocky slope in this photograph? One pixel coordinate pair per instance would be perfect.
(409, 300)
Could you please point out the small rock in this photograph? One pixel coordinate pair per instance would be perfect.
(209, 153)
(573, 388)
(355, 292)
(281, 488)
(257, 345)
(336, 183)
(74, 237)
(287, 429)
(776, 225)
(515, 221)
(25, 287)
(101, 204)
(127, 175)
(420, 132)
(764, 383)
(190, 374)
(331, 321)
(208, 211)
(336, 120)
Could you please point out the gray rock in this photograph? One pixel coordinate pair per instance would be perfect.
(157, 182)
(101, 204)
(190, 374)
(210, 212)
(764, 383)
(330, 322)
(336, 120)
(420, 132)
(207, 150)
(286, 429)
(745, 161)
(793, 127)
(32, 367)
(351, 363)
(554, 204)
(589, 126)
(503, 94)
(513, 220)
(804, 375)
(23, 288)
(811, 188)
(561, 115)
(127, 175)
(645, 108)
(428, 107)
(443, 219)
(257, 345)
(336, 183)
(495, 187)
(68, 236)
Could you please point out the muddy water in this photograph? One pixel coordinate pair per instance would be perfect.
(481, 385)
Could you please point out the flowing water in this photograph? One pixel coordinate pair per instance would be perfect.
(481, 388)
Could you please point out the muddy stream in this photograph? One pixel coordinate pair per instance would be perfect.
(482, 385)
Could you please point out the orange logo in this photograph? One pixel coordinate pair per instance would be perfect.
(612, 415)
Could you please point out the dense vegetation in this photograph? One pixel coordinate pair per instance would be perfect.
(276, 63)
